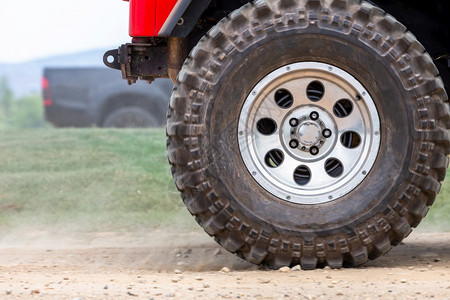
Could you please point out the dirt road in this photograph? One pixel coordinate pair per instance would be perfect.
(192, 266)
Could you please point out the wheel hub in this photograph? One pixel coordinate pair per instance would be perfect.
(309, 133)
(305, 136)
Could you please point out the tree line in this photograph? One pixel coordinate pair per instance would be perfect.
(20, 113)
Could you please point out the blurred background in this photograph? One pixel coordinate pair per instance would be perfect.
(49, 33)
(54, 49)
(61, 173)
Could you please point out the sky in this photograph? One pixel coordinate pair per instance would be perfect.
(31, 29)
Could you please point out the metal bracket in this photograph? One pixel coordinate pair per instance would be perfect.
(135, 60)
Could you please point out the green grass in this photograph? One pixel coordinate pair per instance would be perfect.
(87, 180)
(438, 218)
(97, 180)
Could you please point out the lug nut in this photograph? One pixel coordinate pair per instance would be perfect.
(326, 133)
(293, 144)
(314, 150)
(293, 122)
(314, 115)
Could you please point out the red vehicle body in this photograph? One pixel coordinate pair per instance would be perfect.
(311, 132)
(150, 18)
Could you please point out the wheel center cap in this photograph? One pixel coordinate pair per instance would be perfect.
(309, 133)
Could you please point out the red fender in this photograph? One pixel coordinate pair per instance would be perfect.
(154, 17)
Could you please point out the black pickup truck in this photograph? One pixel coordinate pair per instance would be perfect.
(84, 97)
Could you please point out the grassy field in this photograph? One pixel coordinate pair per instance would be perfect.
(85, 180)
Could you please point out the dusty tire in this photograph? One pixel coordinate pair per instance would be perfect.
(130, 117)
(251, 219)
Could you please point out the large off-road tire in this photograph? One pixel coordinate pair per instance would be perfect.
(130, 117)
(308, 132)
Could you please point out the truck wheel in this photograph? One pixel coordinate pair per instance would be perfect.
(130, 117)
(308, 132)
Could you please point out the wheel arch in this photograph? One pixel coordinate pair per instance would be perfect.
(407, 12)
(428, 23)
(152, 104)
(202, 9)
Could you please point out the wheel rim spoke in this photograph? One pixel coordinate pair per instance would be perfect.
(345, 155)
(285, 171)
(265, 143)
(331, 95)
(319, 177)
(298, 90)
(269, 109)
(353, 122)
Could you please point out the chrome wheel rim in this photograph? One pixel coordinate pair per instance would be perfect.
(309, 133)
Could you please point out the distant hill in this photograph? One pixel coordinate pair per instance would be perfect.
(25, 78)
